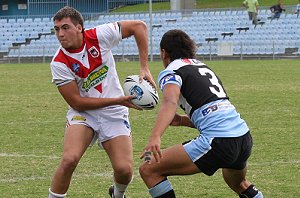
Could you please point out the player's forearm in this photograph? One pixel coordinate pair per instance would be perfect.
(83, 104)
(164, 118)
(141, 37)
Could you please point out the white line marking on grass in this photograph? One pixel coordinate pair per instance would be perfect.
(35, 178)
(56, 157)
(276, 163)
(104, 174)
(31, 122)
(28, 155)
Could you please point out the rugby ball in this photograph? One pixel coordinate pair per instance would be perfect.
(145, 94)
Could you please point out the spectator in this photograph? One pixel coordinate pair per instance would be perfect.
(298, 9)
(252, 8)
(276, 10)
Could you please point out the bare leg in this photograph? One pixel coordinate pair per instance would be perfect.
(119, 150)
(77, 139)
(236, 179)
(175, 161)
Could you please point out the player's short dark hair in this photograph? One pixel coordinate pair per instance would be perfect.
(178, 44)
(68, 11)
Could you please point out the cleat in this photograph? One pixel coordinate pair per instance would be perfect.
(111, 191)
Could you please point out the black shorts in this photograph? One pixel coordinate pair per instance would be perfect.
(226, 153)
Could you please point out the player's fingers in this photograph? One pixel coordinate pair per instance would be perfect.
(156, 156)
(130, 97)
(137, 107)
(142, 76)
(152, 82)
(160, 154)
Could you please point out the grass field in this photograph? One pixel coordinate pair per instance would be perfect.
(32, 120)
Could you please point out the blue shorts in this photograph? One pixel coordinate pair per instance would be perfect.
(210, 154)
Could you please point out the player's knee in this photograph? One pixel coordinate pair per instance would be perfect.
(69, 163)
(125, 170)
(145, 170)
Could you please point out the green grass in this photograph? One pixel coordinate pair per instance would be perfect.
(200, 4)
(32, 119)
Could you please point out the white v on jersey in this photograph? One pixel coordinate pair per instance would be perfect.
(93, 68)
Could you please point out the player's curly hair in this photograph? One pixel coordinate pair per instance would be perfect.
(178, 44)
(68, 11)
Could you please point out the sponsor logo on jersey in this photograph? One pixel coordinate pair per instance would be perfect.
(166, 79)
(95, 78)
(78, 118)
(75, 67)
(94, 52)
(209, 110)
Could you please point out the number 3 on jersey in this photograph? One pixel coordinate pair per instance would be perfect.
(214, 81)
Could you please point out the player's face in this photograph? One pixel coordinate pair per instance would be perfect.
(68, 34)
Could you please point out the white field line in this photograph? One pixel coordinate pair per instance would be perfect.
(35, 178)
(30, 122)
(104, 174)
(27, 156)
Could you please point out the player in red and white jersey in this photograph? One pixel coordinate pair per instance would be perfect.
(84, 72)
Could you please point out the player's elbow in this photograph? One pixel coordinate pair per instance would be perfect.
(140, 26)
(170, 102)
(77, 105)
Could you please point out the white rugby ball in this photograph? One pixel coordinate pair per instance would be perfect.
(146, 96)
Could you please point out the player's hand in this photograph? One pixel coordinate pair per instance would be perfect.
(152, 149)
(177, 120)
(146, 74)
(126, 101)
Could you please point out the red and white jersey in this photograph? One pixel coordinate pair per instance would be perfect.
(92, 66)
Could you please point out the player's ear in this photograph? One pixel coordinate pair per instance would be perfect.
(79, 27)
(164, 55)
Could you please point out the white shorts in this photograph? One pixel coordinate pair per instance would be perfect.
(107, 123)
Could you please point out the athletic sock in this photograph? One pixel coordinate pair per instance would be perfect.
(251, 192)
(56, 195)
(119, 190)
(163, 189)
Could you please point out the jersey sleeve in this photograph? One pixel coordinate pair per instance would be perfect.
(109, 35)
(168, 77)
(61, 74)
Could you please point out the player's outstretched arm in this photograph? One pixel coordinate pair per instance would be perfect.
(138, 29)
(165, 116)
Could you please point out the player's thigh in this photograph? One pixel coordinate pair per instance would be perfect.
(76, 140)
(119, 150)
(174, 161)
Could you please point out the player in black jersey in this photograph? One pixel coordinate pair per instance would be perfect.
(224, 142)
